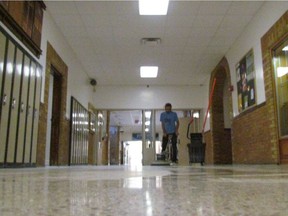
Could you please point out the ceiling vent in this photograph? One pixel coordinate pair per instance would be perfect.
(151, 41)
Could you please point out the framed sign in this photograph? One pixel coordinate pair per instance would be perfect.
(138, 136)
(245, 74)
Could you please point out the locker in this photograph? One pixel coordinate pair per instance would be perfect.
(73, 132)
(29, 114)
(79, 133)
(2, 55)
(86, 136)
(6, 98)
(20, 89)
(83, 143)
(77, 148)
(36, 113)
(84, 132)
(76, 133)
(23, 111)
(14, 107)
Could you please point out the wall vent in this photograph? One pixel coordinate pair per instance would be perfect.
(151, 41)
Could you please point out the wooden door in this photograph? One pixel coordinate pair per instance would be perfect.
(55, 120)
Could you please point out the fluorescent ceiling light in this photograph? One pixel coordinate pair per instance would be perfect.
(153, 7)
(281, 71)
(148, 71)
(285, 48)
(148, 114)
(196, 115)
(147, 123)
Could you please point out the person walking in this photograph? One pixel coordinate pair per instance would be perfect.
(170, 124)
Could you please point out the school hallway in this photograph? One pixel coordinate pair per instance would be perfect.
(80, 119)
(145, 190)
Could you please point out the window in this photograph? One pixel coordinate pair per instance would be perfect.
(280, 62)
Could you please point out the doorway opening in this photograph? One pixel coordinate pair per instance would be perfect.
(133, 153)
(136, 135)
(56, 85)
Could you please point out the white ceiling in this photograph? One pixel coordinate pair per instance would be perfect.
(195, 35)
(106, 37)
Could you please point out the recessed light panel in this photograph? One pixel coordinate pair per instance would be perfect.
(148, 71)
(285, 48)
(153, 7)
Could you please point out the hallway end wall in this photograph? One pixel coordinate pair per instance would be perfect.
(154, 97)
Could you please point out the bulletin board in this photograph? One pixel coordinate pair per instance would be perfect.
(245, 73)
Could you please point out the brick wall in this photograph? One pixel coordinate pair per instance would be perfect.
(252, 138)
(276, 34)
(209, 148)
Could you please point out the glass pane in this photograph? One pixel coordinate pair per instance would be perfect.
(281, 77)
(194, 127)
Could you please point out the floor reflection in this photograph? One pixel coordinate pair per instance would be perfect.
(134, 182)
(147, 191)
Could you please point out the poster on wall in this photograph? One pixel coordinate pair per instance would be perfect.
(245, 74)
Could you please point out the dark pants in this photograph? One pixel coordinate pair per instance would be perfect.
(174, 145)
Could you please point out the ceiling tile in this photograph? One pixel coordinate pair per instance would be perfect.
(213, 7)
(244, 7)
(184, 8)
(61, 7)
(207, 21)
(235, 21)
(68, 20)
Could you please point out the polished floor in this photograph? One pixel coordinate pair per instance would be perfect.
(148, 190)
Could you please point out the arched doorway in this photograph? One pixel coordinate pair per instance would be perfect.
(221, 109)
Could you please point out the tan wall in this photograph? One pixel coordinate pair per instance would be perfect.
(183, 155)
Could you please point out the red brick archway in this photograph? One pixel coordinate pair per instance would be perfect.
(220, 116)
